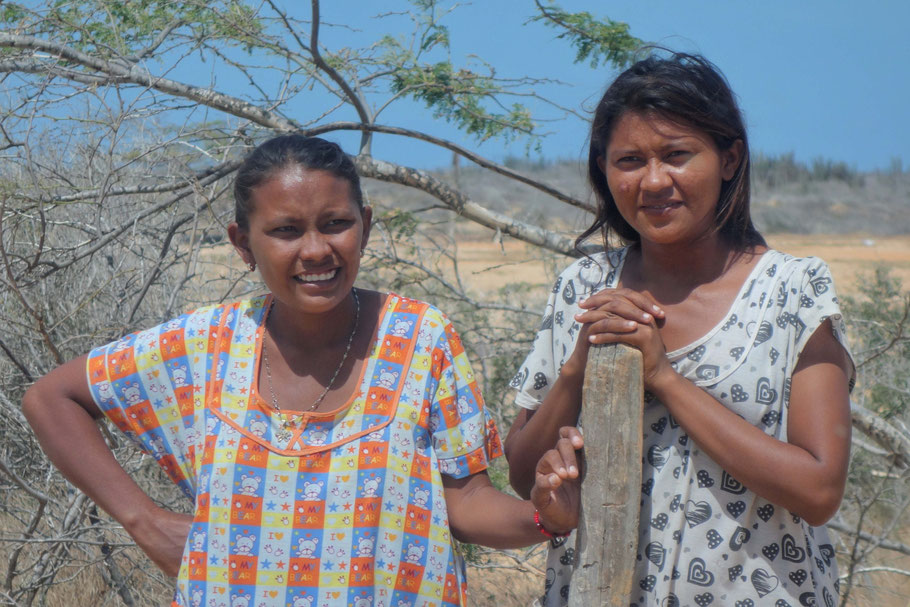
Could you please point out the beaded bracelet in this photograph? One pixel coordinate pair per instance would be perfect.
(544, 530)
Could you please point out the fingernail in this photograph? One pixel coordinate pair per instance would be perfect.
(572, 469)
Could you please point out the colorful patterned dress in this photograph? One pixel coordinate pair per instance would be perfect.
(346, 509)
(704, 538)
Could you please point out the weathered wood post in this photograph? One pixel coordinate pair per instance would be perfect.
(607, 537)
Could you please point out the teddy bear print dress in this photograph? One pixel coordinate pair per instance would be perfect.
(338, 509)
(704, 538)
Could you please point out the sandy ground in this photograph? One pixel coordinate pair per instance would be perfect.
(486, 264)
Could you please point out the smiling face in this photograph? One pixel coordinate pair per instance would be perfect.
(305, 232)
(666, 177)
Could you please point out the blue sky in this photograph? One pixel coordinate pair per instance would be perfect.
(819, 79)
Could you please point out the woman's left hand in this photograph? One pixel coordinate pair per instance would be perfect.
(557, 487)
(628, 317)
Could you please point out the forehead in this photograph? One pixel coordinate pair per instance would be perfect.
(640, 128)
(295, 186)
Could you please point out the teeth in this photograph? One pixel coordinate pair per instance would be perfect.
(316, 277)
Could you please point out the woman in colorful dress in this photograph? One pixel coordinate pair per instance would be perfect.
(333, 439)
(746, 369)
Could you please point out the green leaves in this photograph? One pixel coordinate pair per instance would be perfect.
(457, 95)
(598, 41)
(126, 28)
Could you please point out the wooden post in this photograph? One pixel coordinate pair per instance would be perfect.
(607, 537)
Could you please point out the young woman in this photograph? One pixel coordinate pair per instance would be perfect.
(333, 439)
(746, 369)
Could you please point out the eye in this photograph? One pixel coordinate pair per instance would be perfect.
(338, 223)
(628, 159)
(285, 230)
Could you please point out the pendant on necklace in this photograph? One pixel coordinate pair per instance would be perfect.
(283, 433)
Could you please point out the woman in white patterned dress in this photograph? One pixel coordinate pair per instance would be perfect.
(746, 368)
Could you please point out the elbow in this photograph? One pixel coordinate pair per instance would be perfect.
(32, 403)
(821, 506)
(458, 533)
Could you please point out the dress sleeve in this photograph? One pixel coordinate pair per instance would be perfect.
(464, 435)
(558, 331)
(812, 301)
(150, 383)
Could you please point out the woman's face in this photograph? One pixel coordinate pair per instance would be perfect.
(305, 232)
(666, 177)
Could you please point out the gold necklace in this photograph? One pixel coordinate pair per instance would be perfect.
(285, 421)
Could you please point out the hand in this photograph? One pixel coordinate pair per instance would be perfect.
(162, 535)
(557, 485)
(629, 317)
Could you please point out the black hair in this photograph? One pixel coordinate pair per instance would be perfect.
(689, 90)
(287, 150)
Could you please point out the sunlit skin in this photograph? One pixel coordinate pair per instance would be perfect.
(666, 177)
(675, 286)
(305, 234)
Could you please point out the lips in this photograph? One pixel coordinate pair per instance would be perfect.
(661, 207)
(304, 277)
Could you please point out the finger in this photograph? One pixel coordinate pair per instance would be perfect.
(574, 434)
(553, 465)
(645, 303)
(624, 307)
(569, 462)
(597, 321)
(547, 482)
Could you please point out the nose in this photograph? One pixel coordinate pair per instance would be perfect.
(656, 177)
(314, 246)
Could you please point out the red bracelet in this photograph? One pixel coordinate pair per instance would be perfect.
(544, 530)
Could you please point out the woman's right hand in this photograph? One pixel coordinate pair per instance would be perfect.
(162, 535)
(623, 316)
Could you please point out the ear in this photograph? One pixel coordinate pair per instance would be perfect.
(367, 215)
(240, 238)
(602, 164)
(730, 159)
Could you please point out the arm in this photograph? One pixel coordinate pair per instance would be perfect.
(481, 514)
(533, 432)
(62, 413)
(807, 474)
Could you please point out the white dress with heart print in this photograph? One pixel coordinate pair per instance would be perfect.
(705, 539)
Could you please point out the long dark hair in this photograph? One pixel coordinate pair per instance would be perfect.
(690, 90)
(287, 150)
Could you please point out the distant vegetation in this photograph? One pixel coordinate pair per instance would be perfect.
(823, 196)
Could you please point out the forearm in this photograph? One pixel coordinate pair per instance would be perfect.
(788, 475)
(73, 442)
(492, 518)
(525, 445)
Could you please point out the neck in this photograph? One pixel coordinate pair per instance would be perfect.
(292, 329)
(683, 267)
